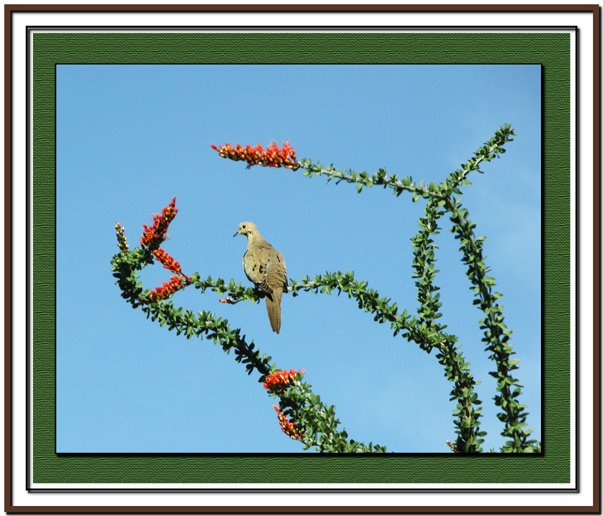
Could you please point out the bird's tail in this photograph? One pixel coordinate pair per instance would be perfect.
(273, 305)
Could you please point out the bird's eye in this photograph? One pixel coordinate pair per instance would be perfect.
(243, 226)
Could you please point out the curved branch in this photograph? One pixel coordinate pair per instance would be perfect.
(317, 420)
(491, 149)
(496, 333)
(422, 333)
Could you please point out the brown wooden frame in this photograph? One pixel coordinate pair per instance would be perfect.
(9, 10)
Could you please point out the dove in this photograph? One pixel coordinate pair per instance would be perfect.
(265, 267)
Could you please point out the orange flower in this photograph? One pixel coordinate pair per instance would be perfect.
(289, 427)
(280, 379)
(168, 262)
(152, 238)
(272, 156)
(167, 289)
(154, 235)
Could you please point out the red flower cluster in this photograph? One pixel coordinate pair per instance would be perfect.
(154, 235)
(272, 156)
(281, 378)
(289, 427)
(167, 289)
(168, 262)
(122, 242)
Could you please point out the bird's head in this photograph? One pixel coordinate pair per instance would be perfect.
(247, 228)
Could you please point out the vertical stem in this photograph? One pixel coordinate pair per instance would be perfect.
(457, 371)
(496, 333)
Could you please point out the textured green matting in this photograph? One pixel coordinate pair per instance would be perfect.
(550, 50)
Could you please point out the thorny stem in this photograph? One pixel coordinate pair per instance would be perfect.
(424, 330)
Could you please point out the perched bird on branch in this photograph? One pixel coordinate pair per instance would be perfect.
(265, 267)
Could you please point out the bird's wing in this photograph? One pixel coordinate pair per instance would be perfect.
(276, 274)
(265, 267)
(255, 265)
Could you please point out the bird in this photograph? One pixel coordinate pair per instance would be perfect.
(265, 267)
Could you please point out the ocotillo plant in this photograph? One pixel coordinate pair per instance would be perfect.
(301, 413)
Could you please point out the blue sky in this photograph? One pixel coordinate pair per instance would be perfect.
(129, 138)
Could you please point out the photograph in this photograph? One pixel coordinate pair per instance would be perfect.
(388, 216)
(302, 258)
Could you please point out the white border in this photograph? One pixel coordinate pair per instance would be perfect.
(585, 498)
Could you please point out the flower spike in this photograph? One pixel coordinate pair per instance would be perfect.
(154, 235)
(122, 241)
(281, 379)
(290, 428)
(167, 289)
(272, 156)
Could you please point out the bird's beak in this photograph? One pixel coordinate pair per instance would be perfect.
(237, 233)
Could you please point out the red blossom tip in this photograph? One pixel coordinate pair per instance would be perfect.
(290, 428)
(281, 379)
(272, 156)
(166, 290)
(154, 235)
